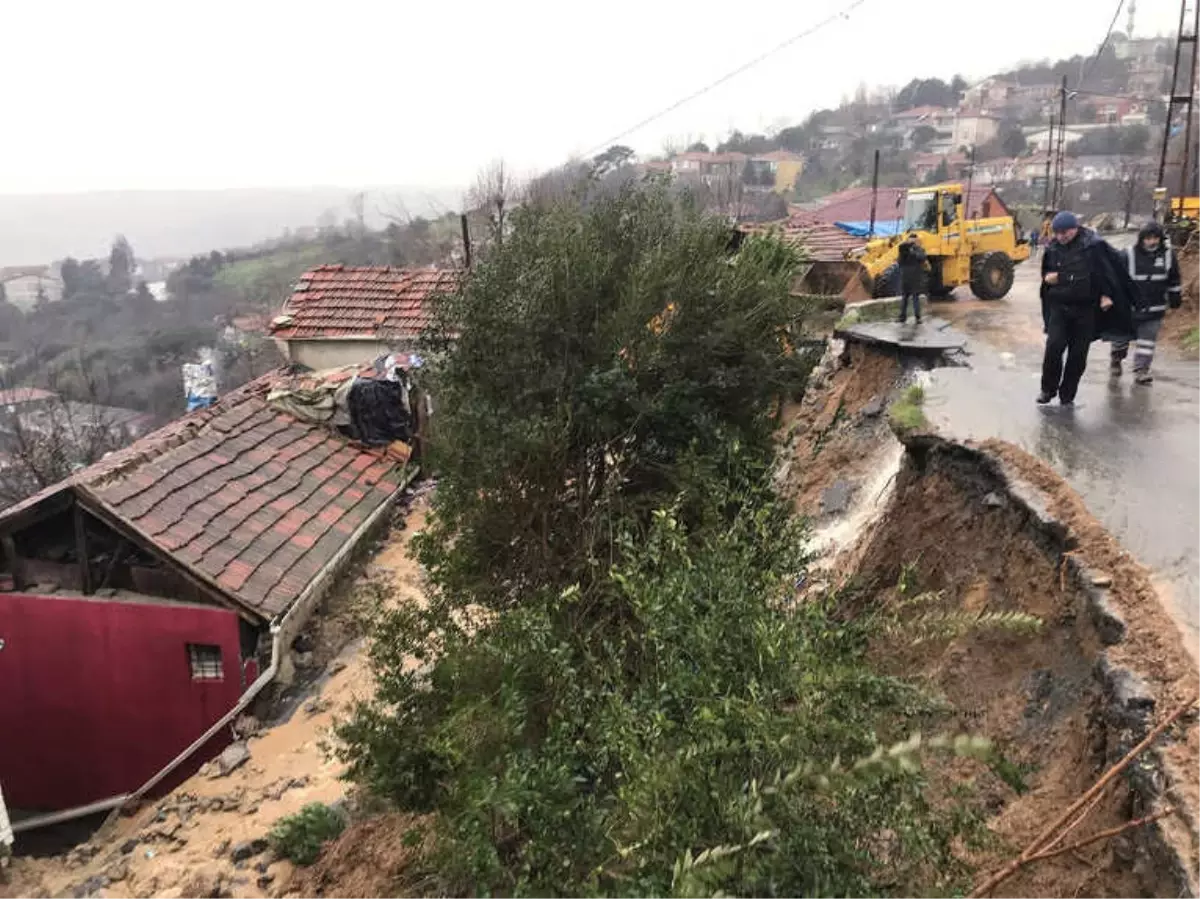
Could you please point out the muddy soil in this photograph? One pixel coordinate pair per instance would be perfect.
(1182, 322)
(953, 529)
(837, 434)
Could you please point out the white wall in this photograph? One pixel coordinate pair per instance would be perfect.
(321, 354)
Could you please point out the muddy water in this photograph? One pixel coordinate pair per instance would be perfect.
(1130, 452)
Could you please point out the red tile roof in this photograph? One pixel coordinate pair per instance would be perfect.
(250, 500)
(854, 204)
(18, 395)
(821, 241)
(365, 301)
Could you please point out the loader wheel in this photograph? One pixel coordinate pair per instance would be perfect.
(888, 283)
(991, 275)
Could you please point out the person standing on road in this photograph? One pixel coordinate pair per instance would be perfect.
(1155, 272)
(911, 259)
(1086, 293)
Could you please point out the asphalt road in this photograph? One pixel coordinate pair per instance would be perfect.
(1132, 453)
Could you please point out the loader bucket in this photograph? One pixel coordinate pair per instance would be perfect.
(843, 278)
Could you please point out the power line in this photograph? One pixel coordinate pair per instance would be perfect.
(1104, 43)
(845, 13)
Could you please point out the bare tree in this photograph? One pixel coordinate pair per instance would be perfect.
(495, 192)
(44, 437)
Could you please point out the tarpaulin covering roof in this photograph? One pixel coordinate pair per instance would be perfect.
(863, 229)
(362, 301)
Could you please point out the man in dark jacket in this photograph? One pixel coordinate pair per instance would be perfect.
(1086, 294)
(1155, 273)
(911, 259)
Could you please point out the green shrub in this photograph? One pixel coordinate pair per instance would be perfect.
(616, 692)
(299, 837)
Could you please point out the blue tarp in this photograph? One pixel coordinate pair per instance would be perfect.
(862, 229)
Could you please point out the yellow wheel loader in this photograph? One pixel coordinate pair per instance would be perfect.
(978, 252)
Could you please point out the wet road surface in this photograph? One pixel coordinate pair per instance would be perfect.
(1132, 453)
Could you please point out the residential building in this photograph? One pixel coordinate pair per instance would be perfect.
(1112, 110)
(345, 315)
(1039, 138)
(911, 121)
(923, 165)
(153, 594)
(25, 285)
(974, 128)
(784, 165)
(990, 94)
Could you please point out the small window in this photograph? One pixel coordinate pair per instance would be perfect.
(205, 662)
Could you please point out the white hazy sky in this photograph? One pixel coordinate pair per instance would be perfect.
(183, 94)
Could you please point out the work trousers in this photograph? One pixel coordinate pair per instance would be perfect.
(1143, 353)
(915, 296)
(1069, 331)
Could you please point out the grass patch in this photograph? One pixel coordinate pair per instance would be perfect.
(299, 837)
(1191, 340)
(906, 413)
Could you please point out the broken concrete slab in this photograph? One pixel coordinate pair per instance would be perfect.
(933, 335)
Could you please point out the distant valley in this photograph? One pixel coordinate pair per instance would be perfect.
(39, 228)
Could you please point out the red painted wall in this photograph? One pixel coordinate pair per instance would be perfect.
(96, 695)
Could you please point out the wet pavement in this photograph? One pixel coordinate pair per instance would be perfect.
(1131, 452)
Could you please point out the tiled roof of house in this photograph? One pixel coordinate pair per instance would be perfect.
(364, 301)
(18, 395)
(253, 501)
(854, 204)
(821, 241)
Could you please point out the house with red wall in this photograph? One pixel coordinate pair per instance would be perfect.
(148, 598)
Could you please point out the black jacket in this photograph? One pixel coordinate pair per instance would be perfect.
(1156, 277)
(911, 259)
(1108, 271)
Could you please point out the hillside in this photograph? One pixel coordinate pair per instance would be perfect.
(38, 228)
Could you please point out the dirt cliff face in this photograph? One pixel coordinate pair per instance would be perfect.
(980, 530)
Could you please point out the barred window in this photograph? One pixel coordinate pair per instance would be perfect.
(205, 662)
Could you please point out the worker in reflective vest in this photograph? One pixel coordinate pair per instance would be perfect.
(1155, 271)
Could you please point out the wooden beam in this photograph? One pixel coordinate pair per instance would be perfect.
(81, 551)
(14, 561)
(197, 579)
(52, 504)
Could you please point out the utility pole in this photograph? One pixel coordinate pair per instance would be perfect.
(1062, 134)
(967, 196)
(466, 239)
(874, 194)
(1049, 155)
(1180, 99)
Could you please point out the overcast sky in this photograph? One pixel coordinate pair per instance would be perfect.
(183, 94)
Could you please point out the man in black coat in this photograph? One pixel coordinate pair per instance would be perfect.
(1086, 294)
(911, 259)
(1155, 272)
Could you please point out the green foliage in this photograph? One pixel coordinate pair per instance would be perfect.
(611, 672)
(299, 837)
(1191, 340)
(905, 413)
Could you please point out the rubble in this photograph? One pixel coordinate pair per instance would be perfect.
(231, 758)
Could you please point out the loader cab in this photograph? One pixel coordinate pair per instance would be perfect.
(933, 210)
